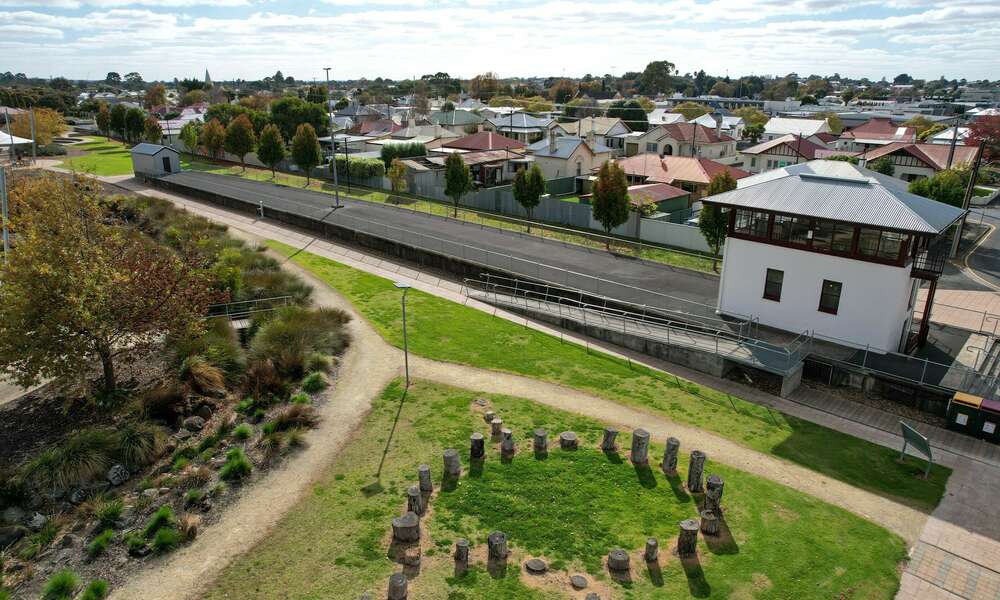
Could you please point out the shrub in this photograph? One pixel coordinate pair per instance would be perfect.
(180, 463)
(81, 458)
(139, 444)
(97, 590)
(188, 525)
(203, 375)
(317, 361)
(301, 398)
(237, 465)
(100, 543)
(262, 380)
(359, 168)
(163, 403)
(295, 332)
(219, 345)
(61, 586)
(294, 415)
(194, 497)
(242, 432)
(163, 518)
(196, 476)
(135, 543)
(107, 512)
(314, 382)
(165, 540)
(274, 283)
(295, 437)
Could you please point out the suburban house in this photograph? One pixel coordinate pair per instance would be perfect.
(461, 122)
(520, 126)
(377, 128)
(484, 140)
(876, 132)
(916, 161)
(661, 116)
(781, 152)
(833, 249)
(731, 126)
(658, 197)
(946, 136)
(568, 156)
(609, 131)
(684, 139)
(777, 127)
(488, 167)
(688, 173)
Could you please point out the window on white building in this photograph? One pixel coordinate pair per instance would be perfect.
(829, 296)
(651, 147)
(772, 284)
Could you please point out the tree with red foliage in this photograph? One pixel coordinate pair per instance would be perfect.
(985, 131)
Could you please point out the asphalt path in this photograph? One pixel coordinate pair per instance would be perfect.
(985, 260)
(591, 270)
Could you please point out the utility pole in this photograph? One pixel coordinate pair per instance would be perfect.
(31, 118)
(951, 148)
(3, 209)
(973, 174)
(333, 147)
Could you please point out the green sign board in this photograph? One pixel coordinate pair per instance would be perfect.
(912, 437)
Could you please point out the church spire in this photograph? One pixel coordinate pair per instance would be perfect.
(208, 79)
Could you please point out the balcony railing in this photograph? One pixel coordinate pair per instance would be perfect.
(929, 264)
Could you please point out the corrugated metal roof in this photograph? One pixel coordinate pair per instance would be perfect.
(149, 149)
(841, 191)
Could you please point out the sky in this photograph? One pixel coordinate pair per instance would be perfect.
(250, 39)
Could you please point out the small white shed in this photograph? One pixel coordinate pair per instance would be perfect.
(155, 160)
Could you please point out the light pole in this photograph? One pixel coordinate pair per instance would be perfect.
(333, 147)
(406, 350)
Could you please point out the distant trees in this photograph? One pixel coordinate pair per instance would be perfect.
(212, 137)
(117, 121)
(135, 121)
(391, 152)
(289, 113)
(457, 179)
(317, 94)
(562, 91)
(631, 112)
(832, 119)
(49, 124)
(448, 106)
(156, 95)
(103, 119)
(305, 150)
(751, 115)
(133, 81)
(271, 147)
(691, 110)
(657, 77)
(610, 204)
(151, 130)
(240, 139)
(529, 185)
(579, 108)
(113, 78)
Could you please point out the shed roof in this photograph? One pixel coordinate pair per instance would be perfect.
(151, 149)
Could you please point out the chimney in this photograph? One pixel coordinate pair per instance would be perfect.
(591, 138)
(552, 140)
(718, 127)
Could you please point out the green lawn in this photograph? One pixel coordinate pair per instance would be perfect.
(104, 157)
(571, 508)
(443, 330)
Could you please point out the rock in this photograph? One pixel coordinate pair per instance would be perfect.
(11, 534)
(194, 423)
(64, 556)
(170, 446)
(579, 582)
(204, 411)
(36, 521)
(151, 492)
(77, 496)
(182, 435)
(118, 475)
(34, 502)
(70, 541)
(139, 551)
(482, 401)
(163, 491)
(536, 566)
(13, 515)
(592, 596)
(165, 468)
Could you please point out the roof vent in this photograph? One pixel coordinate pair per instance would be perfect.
(863, 180)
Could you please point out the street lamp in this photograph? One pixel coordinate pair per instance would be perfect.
(333, 147)
(406, 350)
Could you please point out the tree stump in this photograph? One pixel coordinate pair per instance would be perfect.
(618, 560)
(541, 442)
(567, 440)
(489, 416)
(414, 500)
(495, 426)
(687, 540)
(506, 441)
(713, 494)
(695, 470)
(424, 475)
(496, 544)
(670, 455)
(709, 523)
(406, 528)
(640, 447)
(452, 464)
(477, 446)
(462, 551)
(397, 586)
(608, 443)
(652, 550)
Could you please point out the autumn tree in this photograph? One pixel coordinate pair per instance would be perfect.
(156, 95)
(240, 139)
(985, 132)
(457, 179)
(152, 132)
(610, 203)
(397, 177)
(79, 289)
(49, 124)
(305, 149)
(562, 91)
(103, 119)
(271, 147)
(529, 185)
(213, 137)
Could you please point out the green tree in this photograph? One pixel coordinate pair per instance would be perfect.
(305, 150)
(931, 131)
(341, 104)
(847, 95)
(448, 106)
(117, 121)
(317, 94)
(103, 120)
(151, 130)
(78, 288)
(290, 112)
(610, 203)
(832, 119)
(946, 186)
(657, 77)
(691, 110)
(213, 137)
(631, 112)
(920, 123)
(457, 179)
(271, 147)
(751, 115)
(529, 185)
(754, 132)
(189, 135)
(712, 223)
(397, 177)
(882, 165)
(135, 121)
(240, 139)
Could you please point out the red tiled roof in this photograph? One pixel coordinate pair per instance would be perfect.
(688, 132)
(826, 136)
(485, 140)
(881, 128)
(934, 156)
(388, 125)
(676, 168)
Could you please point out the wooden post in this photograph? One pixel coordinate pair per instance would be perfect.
(618, 560)
(687, 540)
(670, 456)
(489, 416)
(567, 440)
(406, 528)
(695, 470)
(652, 550)
(541, 442)
(608, 443)
(713, 494)
(424, 475)
(709, 523)
(640, 447)
(462, 551)
(496, 425)
(452, 464)
(414, 500)
(496, 543)
(506, 441)
(397, 586)
(477, 446)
